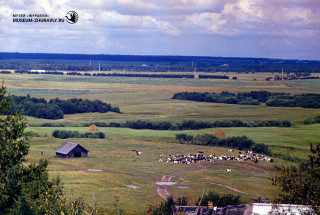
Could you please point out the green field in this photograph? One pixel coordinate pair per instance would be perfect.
(150, 99)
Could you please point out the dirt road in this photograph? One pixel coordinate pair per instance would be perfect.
(163, 189)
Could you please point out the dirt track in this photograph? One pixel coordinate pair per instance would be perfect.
(164, 190)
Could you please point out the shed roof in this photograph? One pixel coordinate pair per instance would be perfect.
(68, 147)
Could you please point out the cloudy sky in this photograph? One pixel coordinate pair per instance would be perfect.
(287, 29)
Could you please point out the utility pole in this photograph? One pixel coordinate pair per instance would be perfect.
(195, 75)
(204, 190)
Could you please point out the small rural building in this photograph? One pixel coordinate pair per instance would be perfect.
(219, 133)
(93, 127)
(71, 150)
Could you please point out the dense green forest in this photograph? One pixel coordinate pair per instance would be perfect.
(254, 98)
(56, 108)
(143, 63)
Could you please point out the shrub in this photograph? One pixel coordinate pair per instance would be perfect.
(184, 138)
(47, 124)
(219, 201)
(62, 134)
(241, 143)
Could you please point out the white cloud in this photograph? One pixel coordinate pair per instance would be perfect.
(160, 24)
(211, 23)
(112, 19)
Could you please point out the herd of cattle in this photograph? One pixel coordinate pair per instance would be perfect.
(199, 157)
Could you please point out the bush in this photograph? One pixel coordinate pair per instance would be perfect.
(47, 124)
(261, 148)
(31, 134)
(241, 143)
(312, 121)
(62, 134)
(219, 201)
(184, 138)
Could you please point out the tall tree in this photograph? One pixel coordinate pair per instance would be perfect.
(24, 189)
(301, 185)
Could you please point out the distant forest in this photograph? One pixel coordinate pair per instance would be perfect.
(56, 108)
(144, 63)
(123, 74)
(254, 98)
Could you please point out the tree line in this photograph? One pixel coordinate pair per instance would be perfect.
(123, 74)
(56, 108)
(190, 124)
(310, 100)
(241, 143)
(80, 62)
(62, 134)
(5, 72)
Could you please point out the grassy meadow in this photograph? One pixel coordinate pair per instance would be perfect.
(150, 99)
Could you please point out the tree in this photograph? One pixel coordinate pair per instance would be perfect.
(301, 185)
(24, 189)
(165, 208)
(219, 201)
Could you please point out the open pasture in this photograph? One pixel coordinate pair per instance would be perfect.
(121, 166)
(150, 99)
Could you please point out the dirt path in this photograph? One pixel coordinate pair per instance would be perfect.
(102, 170)
(222, 185)
(164, 190)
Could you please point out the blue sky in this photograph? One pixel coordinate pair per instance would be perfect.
(287, 29)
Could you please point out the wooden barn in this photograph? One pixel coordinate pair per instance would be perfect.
(71, 150)
(93, 127)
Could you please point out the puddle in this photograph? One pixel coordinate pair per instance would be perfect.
(133, 187)
(207, 178)
(166, 183)
(181, 187)
(95, 170)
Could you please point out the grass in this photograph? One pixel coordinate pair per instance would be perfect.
(115, 154)
(293, 141)
(150, 99)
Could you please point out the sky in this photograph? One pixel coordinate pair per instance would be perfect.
(287, 29)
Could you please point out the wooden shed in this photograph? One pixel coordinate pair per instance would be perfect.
(93, 127)
(219, 133)
(71, 150)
